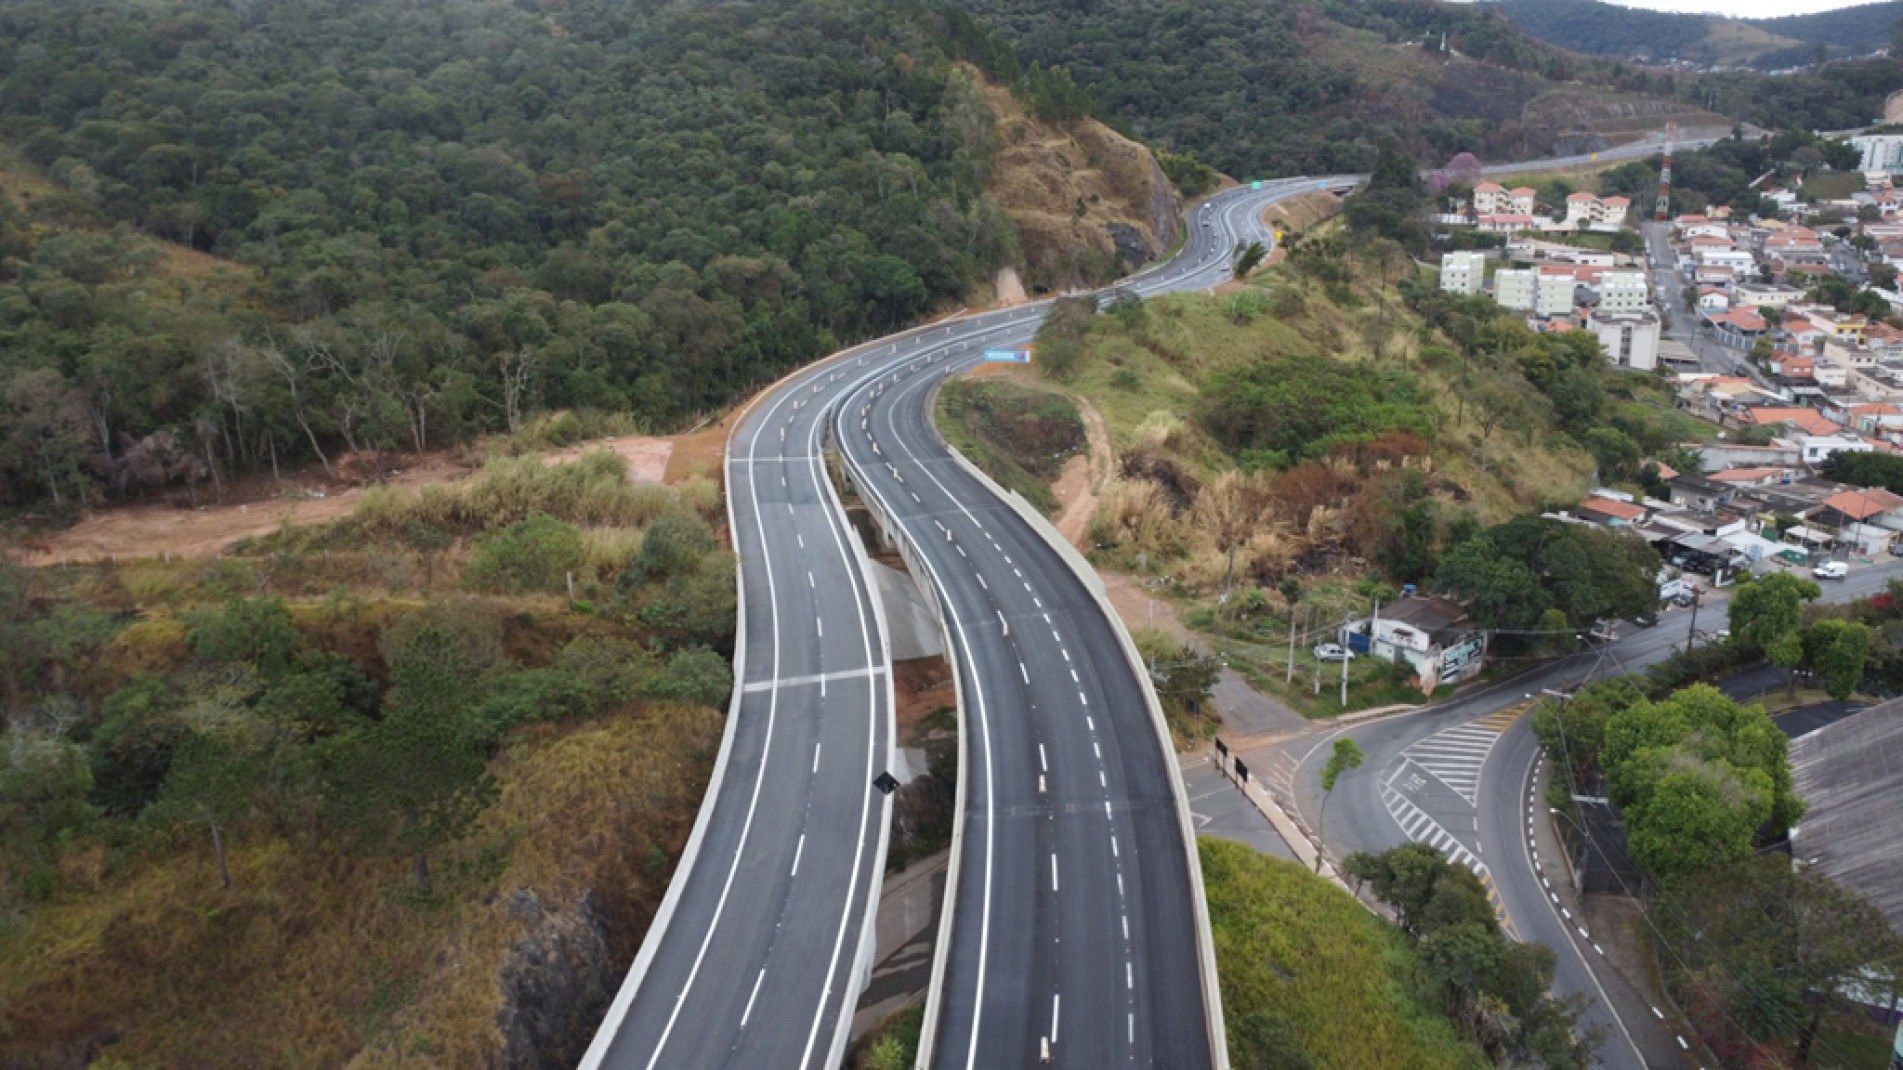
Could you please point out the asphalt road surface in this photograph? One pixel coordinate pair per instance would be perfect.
(1073, 910)
(1460, 776)
(764, 939)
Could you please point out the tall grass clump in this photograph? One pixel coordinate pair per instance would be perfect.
(592, 491)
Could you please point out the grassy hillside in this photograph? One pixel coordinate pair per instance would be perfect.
(1301, 961)
(1315, 85)
(368, 794)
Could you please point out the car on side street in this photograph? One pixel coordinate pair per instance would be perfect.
(1333, 652)
(1831, 570)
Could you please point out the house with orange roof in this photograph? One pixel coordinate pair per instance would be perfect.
(1609, 513)
(1793, 365)
(1490, 198)
(1808, 421)
(1712, 299)
(1867, 517)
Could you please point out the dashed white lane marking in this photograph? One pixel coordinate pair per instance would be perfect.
(1054, 1006)
(981, 581)
(1042, 764)
(1066, 654)
(1126, 926)
(748, 1013)
(1053, 871)
(816, 747)
(1129, 975)
(809, 580)
(1026, 673)
(1113, 848)
(1090, 724)
(798, 849)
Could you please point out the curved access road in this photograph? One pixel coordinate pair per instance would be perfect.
(1462, 776)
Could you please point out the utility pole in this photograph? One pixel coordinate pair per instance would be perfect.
(1663, 210)
(1291, 646)
(1692, 632)
(1346, 653)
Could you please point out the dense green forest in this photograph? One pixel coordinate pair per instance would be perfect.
(1841, 96)
(1600, 28)
(454, 215)
(1241, 84)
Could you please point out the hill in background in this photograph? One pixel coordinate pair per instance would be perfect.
(1313, 87)
(1599, 28)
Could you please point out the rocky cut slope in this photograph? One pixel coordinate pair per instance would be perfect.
(1088, 203)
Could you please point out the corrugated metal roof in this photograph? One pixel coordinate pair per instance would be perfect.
(1850, 774)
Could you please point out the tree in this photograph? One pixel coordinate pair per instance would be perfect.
(1405, 878)
(1498, 592)
(1695, 776)
(1768, 608)
(1248, 257)
(1345, 756)
(1837, 650)
(417, 778)
(214, 772)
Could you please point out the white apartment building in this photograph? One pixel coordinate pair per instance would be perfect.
(1881, 152)
(1630, 339)
(1555, 295)
(1624, 291)
(1517, 288)
(1765, 294)
(1491, 198)
(1462, 273)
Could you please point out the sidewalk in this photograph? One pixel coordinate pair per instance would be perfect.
(1605, 929)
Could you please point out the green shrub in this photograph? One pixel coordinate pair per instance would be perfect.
(535, 554)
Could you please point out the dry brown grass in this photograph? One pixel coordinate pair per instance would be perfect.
(319, 958)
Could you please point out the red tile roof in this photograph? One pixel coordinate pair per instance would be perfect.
(1608, 507)
(1863, 504)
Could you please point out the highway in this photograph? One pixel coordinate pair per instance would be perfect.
(1073, 916)
(756, 957)
(1461, 776)
(1073, 911)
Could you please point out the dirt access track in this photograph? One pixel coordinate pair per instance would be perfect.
(262, 505)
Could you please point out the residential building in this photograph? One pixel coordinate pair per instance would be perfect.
(1712, 299)
(1867, 518)
(1516, 288)
(1490, 198)
(1624, 291)
(1505, 222)
(1630, 339)
(1462, 273)
(1608, 512)
(1555, 295)
(1881, 153)
(1765, 294)
(1816, 449)
(1737, 328)
(1433, 635)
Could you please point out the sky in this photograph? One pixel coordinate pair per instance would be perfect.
(1756, 9)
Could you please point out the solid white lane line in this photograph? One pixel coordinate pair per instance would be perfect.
(799, 849)
(748, 1013)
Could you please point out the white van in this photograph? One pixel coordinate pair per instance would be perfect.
(1831, 570)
